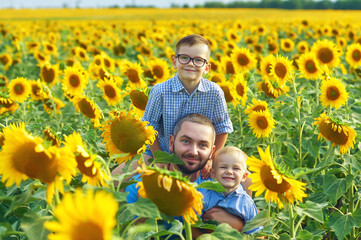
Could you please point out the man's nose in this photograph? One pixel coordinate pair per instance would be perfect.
(193, 149)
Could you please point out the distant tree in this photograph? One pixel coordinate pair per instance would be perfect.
(185, 6)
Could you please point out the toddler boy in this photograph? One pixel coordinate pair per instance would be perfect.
(230, 169)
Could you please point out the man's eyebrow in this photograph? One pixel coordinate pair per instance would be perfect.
(189, 138)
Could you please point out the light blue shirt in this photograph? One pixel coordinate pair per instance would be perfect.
(237, 203)
(169, 101)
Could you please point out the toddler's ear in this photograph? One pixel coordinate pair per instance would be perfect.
(245, 175)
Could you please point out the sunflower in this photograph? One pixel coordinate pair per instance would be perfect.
(7, 105)
(36, 92)
(138, 98)
(241, 87)
(281, 69)
(336, 132)
(50, 136)
(84, 216)
(173, 195)
(159, 70)
(111, 92)
(341, 42)
(256, 106)
(261, 122)
(4, 81)
(287, 45)
(50, 48)
(271, 88)
(265, 66)
(216, 77)
(124, 133)
(91, 170)
(302, 47)
(333, 93)
(309, 66)
(75, 79)
(49, 73)
(273, 47)
(2, 139)
(230, 92)
(19, 89)
(81, 54)
(227, 65)
(353, 55)
(87, 107)
(41, 57)
(216, 66)
(243, 59)
(265, 177)
(24, 156)
(326, 52)
(51, 104)
(133, 71)
(32, 46)
(6, 60)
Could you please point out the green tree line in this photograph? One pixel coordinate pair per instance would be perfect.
(286, 4)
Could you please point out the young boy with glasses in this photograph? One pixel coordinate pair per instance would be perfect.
(187, 92)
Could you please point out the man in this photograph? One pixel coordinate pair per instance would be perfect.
(193, 142)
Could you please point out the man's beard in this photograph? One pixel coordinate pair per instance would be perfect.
(184, 169)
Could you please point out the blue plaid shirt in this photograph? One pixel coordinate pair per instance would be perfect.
(170, 101)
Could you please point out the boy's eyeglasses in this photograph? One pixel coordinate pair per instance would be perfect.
(185, 59)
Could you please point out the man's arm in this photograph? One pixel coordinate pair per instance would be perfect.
(220, 140)
(222, 216)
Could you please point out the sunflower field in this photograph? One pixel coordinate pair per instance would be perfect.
(74, 84)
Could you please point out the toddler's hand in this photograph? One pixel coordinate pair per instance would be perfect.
(207, 170)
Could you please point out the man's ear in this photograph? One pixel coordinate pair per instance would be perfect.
(171, 143)
(211, 155)
(174, 61)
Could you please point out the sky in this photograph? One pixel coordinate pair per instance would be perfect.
(98, 3)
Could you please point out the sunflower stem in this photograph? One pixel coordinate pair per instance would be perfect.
(292, 222)
(351, 206)
(188, 229)
(317, 87)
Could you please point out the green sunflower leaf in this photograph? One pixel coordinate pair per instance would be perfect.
(144, 208)
(334, 187)
(343, 226)
(164, 157)
(212, 185)
(33, 226)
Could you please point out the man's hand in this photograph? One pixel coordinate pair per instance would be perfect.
(207, 170)
(222, 216)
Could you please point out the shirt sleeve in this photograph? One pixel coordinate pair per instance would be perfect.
(153, 110)
(132, 190)
(222, 122)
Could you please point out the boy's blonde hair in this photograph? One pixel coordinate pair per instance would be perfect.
(191, 40)
(233, 151)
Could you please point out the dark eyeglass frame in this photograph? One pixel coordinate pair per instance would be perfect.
(191, 59)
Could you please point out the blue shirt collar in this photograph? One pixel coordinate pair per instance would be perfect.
(177, 85)
(237, 192)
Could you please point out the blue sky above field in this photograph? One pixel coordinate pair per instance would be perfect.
(99, 3)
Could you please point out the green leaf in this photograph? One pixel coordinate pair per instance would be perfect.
(261, 219)
(312, 146)
(33, 226)
(223, 231)
(176, 229)
(304, 235)
(2, 230)
(357, 216)
(312, 210)
(334, 187)
(164, 157)
(212, 185)
(144, 208)
(343, 226)
(120, 196)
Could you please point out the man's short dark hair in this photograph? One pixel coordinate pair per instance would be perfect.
(196, 118)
